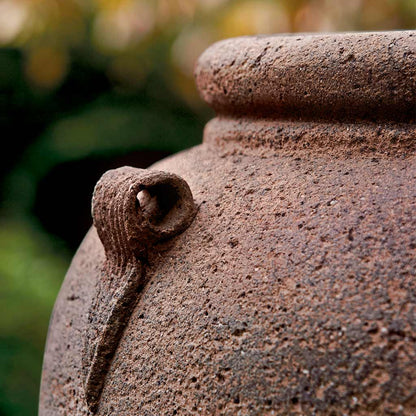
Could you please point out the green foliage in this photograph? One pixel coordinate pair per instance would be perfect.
(31, 270)
(102, 129)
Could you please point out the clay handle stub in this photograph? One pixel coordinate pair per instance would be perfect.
(125, 227)
(133, 209)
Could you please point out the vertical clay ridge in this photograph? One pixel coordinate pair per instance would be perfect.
(127, 228)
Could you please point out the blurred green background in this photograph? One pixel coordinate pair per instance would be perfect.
(87, 85)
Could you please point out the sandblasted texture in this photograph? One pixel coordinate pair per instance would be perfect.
(344, 76)
(293, 291)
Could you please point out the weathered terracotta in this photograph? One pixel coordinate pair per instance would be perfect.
(285, 283)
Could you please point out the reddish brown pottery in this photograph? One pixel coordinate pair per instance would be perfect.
(268, 271)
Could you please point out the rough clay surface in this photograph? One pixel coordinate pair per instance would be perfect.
(345, 75)
(293, 292)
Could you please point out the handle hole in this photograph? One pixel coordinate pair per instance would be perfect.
(159, 203)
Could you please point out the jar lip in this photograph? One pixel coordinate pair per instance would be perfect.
(365, 75)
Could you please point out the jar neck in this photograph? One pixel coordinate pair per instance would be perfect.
(274, 136)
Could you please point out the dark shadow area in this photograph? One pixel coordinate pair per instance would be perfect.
(63, 199)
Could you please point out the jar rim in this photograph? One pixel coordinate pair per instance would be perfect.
(342, 76)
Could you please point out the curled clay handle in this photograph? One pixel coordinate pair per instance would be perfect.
(133, 209)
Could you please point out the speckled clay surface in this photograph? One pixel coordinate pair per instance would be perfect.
(347, 75)
(293, 291)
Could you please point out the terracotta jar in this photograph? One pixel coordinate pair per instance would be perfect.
(270, 270)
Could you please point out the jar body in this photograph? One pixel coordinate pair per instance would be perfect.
(292, 292)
